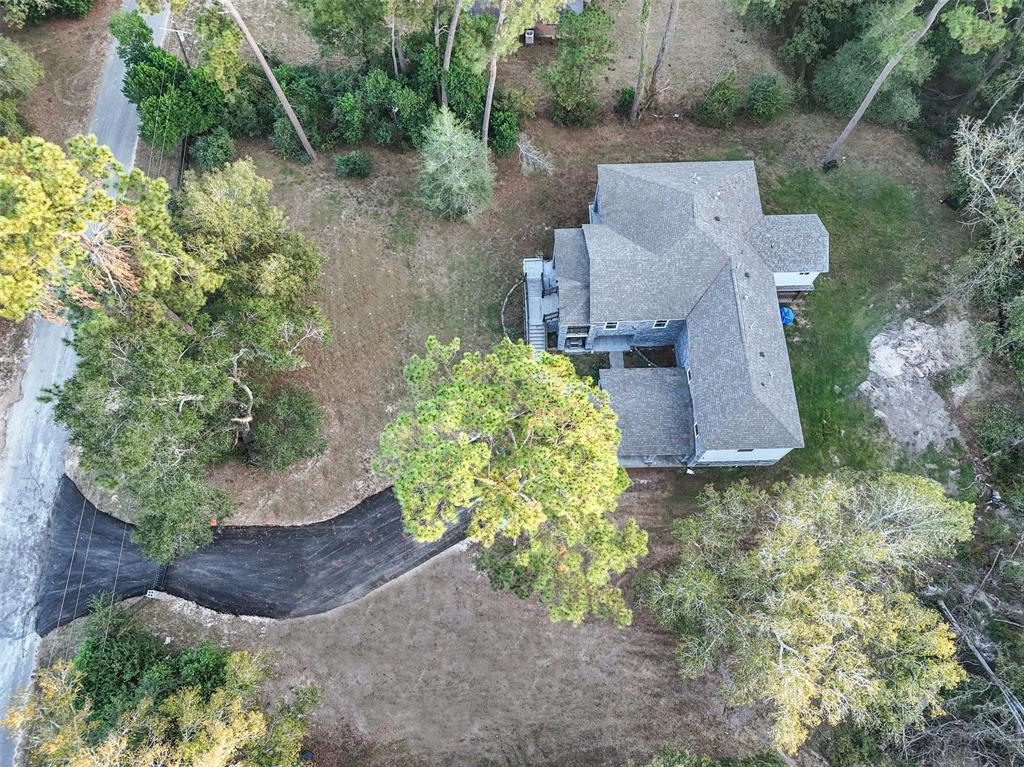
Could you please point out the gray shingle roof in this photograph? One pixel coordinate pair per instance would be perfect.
(795, 243)
(691, 241)
(742, 385)
(572, 266)
(654, 410)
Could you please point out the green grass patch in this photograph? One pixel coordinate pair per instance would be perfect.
(882, 239)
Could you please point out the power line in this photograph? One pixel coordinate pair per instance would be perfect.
(67, 582)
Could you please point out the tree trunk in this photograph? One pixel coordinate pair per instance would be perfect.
(493, 73)
(666, 39)
(394, 36)
(641, 77)
(830, 157)
(449, 44)
(437, 48)
(233, 12)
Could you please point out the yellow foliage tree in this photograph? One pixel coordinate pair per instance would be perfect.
(798, 593)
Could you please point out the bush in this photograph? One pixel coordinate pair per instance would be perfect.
(504, 133)
(355, 164)
(382, 109)
(456, 176)
(284, 141)
(768, 98)
(253, 105)
(19, 72)
(10, 124)
(624, 102)
(287, 429)
(214, 150)
(517, 101)
(76, 9)
(721, 103)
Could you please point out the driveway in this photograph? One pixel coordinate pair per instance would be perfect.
(32, 461)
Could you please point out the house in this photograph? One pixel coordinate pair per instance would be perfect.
(681, 256)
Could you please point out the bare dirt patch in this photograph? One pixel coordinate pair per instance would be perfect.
(72, 53)
(905, 363)
(436, 668)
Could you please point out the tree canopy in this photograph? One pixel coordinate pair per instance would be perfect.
(798, 592)
(182, 310)
(127, 701)
(526, 450)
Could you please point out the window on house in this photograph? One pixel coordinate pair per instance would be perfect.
(804, 274)
(696, 431)
(689, 375)
(745, 450)
(611, 326)
(659, 324)
(578, 330)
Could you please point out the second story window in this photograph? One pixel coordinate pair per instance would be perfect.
(611, 326)
(659, 324)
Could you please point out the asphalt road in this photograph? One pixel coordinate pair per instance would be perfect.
(271, 571)
(32, 461)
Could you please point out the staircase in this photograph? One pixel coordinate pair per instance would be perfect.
(533, 323)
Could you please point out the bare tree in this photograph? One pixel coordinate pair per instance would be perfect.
(532, 159)
(641, 75)
(890, 65)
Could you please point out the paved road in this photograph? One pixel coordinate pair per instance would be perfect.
(271, 571)
(32, 461)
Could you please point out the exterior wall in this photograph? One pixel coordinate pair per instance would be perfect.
(652, 461)
(636, 333)
(757, 457)
(795, 280)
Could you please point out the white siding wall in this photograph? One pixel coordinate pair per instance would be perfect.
(794, 279)
(735, 457)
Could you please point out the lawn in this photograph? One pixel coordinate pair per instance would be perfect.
(887, 260)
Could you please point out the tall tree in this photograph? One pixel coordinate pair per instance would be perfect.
(449, 44)
(666, 39)
(525, 450)
(641, 75)
(798, 592)
(901, 49)
(584, 49)
(514, 16)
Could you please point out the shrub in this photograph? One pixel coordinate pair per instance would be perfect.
(284, 141)
(10, 125)
(253, 105)
(456, 176)
(624, 102)
(466, 92)
(19, 72)
(383, 110)
(133, 35)
(356, 164)
(768, 98)
(287, 429)
(76, 9)
(517, 101)
(504, 133)
(721, 103)
(214, 150)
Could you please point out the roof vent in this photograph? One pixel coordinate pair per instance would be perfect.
(718, 218)
(760, 354)
(747, 275)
